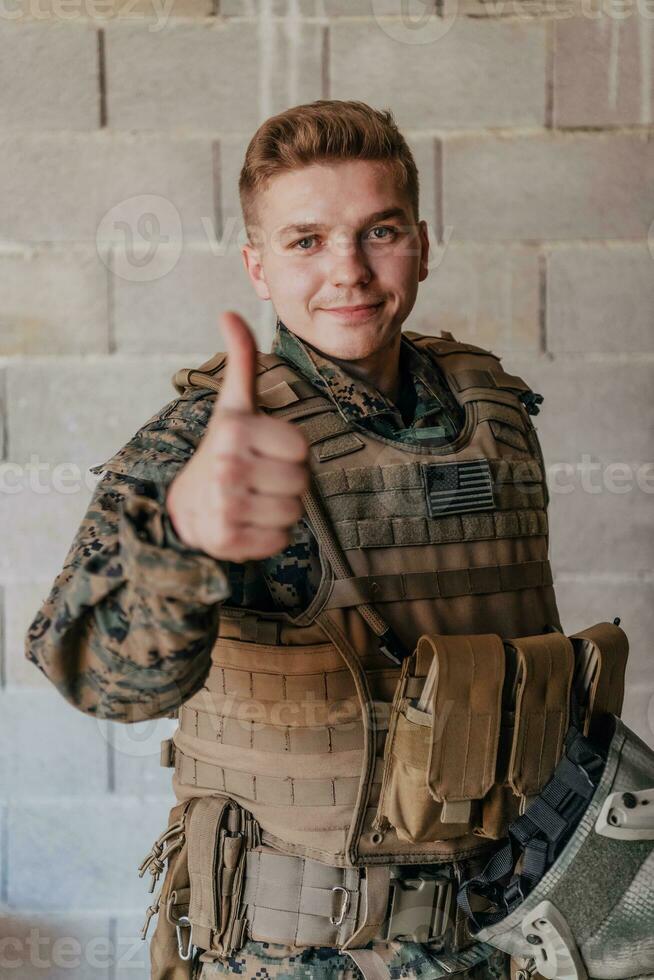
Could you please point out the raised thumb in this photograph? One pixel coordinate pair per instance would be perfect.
(238, 392)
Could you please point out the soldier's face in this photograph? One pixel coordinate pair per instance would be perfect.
(333, 236)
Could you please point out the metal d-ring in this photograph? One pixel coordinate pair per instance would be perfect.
(344, 906)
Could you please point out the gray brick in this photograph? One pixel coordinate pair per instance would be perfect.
(600, 299)
(598, 407)
(184, 77)
(554, 186)
(486, 295)
(70, 752)
(616, 86)
(37, 533)
(53, 302)
(136, 751)
(21, 603)
(82, 854)
(3, 412)
(230, 159)
(107, 400)
(157, 315)
(61, 947)
(64, 92)
(638, 712)
(478, 73)
(88, 176)
(600, 532)
(593, 599)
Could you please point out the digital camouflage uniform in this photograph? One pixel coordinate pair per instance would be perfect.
(127, 629)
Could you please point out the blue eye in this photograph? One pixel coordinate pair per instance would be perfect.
(307, 238)
(379, 238)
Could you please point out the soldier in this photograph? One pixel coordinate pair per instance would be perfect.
(245, 549)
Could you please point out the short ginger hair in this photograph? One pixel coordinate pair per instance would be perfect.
(322, 131)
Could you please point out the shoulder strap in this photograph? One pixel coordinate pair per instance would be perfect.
(468, 378)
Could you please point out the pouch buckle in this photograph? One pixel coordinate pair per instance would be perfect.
(419, 908)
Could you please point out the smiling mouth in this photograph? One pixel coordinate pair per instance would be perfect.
(353, 309)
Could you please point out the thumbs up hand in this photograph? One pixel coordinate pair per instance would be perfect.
(240, 493)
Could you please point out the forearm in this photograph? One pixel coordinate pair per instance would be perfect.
(127, 629)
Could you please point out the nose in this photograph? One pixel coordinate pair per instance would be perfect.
(348, 265)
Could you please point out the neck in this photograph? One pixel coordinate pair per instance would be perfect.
(380, 369)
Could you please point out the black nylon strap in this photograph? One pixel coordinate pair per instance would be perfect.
(538, 835)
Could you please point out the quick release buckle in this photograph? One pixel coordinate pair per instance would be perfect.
(419, 908)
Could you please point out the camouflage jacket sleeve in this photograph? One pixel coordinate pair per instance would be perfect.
(128, 626)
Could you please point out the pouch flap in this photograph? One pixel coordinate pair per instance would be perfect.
(204, 852)
(545, 666)
(601, 654)
(466, 710)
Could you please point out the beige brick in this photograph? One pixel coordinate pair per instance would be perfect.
(21, 604)
(541, 187)
(218, 76)
(107, 399)
(478, 73)
(616, 84)
(63, 93)
(598, 407)
(181, 310)
(484, 295)
(88, 175)
(596, 599)
(53, 302)
(315, 8)
(156, 12)
(423, 150)
(600, 299)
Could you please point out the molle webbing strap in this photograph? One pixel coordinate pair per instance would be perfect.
(442, 584)
(267, 789)
(413, 503)
(497, 412)
(408, 476)
(601, 652)
(382, 533)
(290, 899)
(465, 379)
(545, 665)
(260, 736)
(466, 707)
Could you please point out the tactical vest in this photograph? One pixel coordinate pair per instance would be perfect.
(293, 718)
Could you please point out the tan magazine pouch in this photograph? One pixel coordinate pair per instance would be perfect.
(544, 669)
(601, 653)
(439, 763)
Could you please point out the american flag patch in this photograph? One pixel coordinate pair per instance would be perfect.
(454, 488)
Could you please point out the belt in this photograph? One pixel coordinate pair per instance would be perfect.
(298, 901)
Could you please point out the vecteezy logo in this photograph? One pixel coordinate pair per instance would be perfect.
(140, 238)
(416, 21)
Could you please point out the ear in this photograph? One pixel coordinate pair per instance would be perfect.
(254, 268)
(423, 233)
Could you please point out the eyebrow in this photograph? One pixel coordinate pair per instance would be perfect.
(305, 227)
